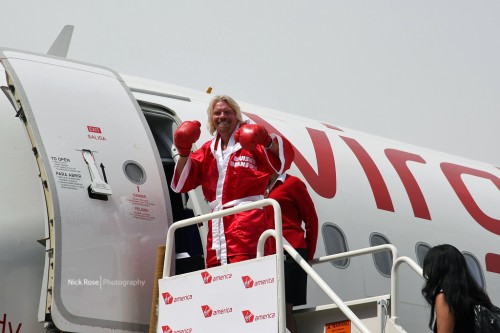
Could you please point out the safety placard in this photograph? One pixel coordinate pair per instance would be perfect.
(67, 173)
(343, 326)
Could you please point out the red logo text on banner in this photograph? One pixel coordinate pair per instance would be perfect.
(248, 316)
(167, 298)
(249, 282)
(166, 329)
(207, 278)
(208, 312)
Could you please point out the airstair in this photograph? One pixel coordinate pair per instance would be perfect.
(249, 296)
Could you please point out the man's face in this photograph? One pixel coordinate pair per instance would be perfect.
(224, 118)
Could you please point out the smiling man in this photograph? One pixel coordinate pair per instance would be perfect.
(233, 168)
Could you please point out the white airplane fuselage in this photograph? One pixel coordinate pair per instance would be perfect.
(86, 160)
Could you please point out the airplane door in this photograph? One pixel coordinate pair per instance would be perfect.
(106, 193)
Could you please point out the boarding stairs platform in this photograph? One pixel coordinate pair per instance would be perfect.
(249, 296)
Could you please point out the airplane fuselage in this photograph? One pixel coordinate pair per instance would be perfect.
(86, 163)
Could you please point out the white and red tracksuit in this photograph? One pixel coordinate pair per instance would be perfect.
(229, 178)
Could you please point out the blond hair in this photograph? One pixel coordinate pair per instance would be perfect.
(231, 102)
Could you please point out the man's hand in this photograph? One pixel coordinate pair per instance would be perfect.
(185, 135)
(251, 135)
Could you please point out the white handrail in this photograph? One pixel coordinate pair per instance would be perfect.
(395, 282)
(315, 276)
(359, 252)
(169, 244)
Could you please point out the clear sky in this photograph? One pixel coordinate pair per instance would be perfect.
(424, 72)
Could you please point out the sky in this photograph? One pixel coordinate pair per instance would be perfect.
(423, 72)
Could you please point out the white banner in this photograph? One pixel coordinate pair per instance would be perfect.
(241, 297)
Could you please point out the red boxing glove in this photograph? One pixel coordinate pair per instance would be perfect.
(251, 135)
(185, 135)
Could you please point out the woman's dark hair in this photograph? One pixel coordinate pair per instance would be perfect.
(445, 270)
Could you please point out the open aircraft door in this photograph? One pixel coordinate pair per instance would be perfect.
(106, 194)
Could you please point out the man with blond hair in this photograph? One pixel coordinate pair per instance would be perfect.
(232, 168)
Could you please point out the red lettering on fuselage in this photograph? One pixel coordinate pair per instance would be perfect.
(398, 160)
(325, 181)
(453, 173)
(492, 262)
(377, 183)
(4, 323)
(332, 127)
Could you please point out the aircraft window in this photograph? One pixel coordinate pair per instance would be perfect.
(474, 268)
(335, 242)
(472, 263)
(382, 260)
(134, 172)
(421, 249)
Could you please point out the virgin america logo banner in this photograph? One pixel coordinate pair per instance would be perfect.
(241, 297)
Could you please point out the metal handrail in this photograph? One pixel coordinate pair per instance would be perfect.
(395, 282)
(359, 252)
(315, 276)
(169, 244)
(394, 270)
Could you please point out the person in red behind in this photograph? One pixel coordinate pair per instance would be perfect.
(296, 207)
(233, 168)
